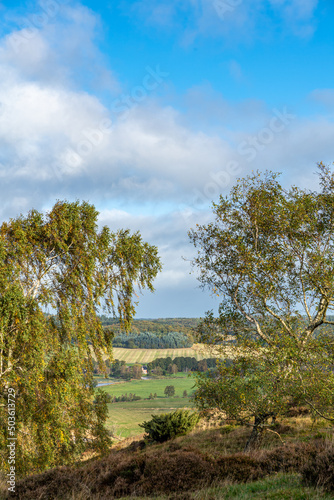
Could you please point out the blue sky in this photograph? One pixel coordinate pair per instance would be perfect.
(150, 109)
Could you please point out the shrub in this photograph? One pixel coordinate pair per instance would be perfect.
(320, 470)
(169, 425)
(169, 391)
(297, 411)
(179, 471)
(125, 397)
(240, 468)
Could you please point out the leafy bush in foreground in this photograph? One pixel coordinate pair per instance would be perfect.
(169, 425)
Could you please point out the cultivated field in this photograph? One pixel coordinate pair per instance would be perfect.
(143, 356)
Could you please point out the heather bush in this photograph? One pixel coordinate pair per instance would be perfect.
(240, 468)
(320, 470)
(175, 470)
(289, 458)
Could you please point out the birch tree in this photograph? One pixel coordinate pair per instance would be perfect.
(269, 256)
(57, 272)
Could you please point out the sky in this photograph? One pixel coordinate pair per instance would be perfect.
(151, 109)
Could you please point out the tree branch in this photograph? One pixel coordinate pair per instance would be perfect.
(279, 318)
(319, 317)
(250, 318)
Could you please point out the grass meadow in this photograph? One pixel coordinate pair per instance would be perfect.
(124, 417)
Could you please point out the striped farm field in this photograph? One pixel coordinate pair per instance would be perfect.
(146, 355)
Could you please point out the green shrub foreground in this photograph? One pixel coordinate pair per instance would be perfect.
(169, 425)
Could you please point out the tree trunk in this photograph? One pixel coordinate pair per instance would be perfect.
(255, 437)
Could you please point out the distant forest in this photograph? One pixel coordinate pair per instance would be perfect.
(149, 340)
(158, 326)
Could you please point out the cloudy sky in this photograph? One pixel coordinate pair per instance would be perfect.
(150, 109)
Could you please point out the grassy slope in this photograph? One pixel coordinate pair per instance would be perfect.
(278, 487)
(213, 443)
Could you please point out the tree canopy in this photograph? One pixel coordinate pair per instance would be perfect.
(269, 256)
(59, 262)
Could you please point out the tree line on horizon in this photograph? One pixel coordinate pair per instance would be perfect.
(158, 326)
(150, 340)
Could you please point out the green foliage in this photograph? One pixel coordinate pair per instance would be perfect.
(116, 368)
(125, 397)
(182, 364)
(157, 371)
(60, 262)
(169, 425)
(119, 369)
(169, 391)
(269, 255)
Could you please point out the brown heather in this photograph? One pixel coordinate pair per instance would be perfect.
(181, 467)
(173, 468)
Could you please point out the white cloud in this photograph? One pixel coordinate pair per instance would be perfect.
(52, 143)
(170, 233)
(59, 49)
(324, 97)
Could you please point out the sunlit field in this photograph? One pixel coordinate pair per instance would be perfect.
(146, 355)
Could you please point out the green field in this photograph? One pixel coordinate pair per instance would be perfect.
(143, 387)
(124, 417)
(146, 355)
